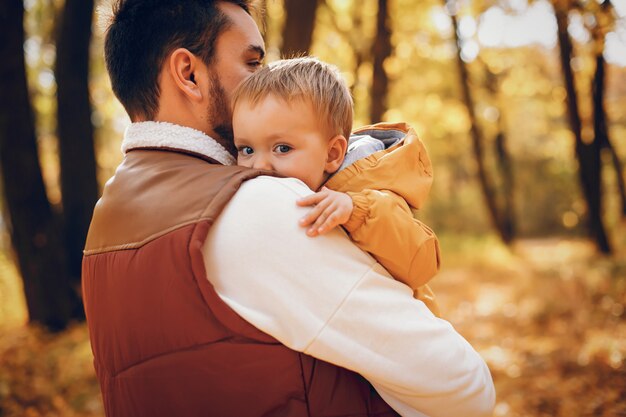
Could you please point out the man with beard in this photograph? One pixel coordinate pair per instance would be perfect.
(203, 297)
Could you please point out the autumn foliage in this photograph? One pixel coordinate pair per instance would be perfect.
(521, 104)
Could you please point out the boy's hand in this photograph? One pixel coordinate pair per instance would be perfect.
(331, 209)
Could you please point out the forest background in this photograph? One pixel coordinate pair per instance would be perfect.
(522, 105)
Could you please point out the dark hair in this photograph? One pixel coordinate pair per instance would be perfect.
(141, 35)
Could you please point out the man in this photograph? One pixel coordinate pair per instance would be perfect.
(203, 297)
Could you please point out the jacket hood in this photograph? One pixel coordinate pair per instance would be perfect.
(401, 165)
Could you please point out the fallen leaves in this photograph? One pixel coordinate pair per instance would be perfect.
(548, 317)
(47, 375)
(549, 322)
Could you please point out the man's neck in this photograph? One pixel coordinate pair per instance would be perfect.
(192, 123)
(167, 135)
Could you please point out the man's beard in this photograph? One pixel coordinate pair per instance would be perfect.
(220, 115)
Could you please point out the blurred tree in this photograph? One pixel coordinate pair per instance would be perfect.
(587, 154)
(503, 158)
(381, 50)
(500, 221)
(299, 26)
(33, 225)
(358, 55)
(79, 185)
(603, 21)
(262, 17)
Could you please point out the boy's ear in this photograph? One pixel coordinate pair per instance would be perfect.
(183, 67)
(337, 148)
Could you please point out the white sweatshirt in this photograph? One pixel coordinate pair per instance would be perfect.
(325, 297)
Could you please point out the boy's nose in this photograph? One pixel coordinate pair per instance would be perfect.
(262, 163)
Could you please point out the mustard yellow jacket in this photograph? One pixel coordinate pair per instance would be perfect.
(385, 186)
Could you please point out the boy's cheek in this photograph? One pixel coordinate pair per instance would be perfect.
(244, 162)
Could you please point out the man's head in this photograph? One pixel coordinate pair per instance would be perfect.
(294, 117)
(180, 60)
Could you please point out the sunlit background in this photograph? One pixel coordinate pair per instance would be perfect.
(534, 292)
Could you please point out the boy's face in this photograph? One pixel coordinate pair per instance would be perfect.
(284, 137)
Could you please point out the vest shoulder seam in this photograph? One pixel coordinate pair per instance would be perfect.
(150, 238)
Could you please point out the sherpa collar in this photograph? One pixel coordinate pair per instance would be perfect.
(170, 136)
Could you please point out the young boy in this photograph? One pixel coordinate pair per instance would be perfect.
(294, 117)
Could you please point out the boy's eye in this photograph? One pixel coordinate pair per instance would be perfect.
(283, 148)
(255, 64)
(246, 150)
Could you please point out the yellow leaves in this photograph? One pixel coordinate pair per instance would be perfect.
(404, 50)
(433, 103)
(394, 115)
(548, 317)
(394, 66)
(344, 22)
(559, 94)
(50, 167)
(499, 358)
(603, 347)
(570, 219)
(46, 375)
(12, 302)
(551, 325)
(587, 133)
(341, 5)
(525, 82)
(455, 117)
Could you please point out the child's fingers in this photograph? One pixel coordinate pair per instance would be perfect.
(314, 214)
(311, 199)
(323, 218)
(338, 213)
(331, 222)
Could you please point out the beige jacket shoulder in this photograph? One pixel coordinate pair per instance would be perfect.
(385, 186)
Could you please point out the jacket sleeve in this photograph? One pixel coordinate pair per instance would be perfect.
(325, 297)
(383, 225)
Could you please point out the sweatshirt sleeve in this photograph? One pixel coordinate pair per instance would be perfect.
(325, 297)
(383, 225)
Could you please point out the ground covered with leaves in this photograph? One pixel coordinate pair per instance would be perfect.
(549, 319)
(548, 316)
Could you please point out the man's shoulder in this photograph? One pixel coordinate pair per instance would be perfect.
(266, 205)
(273, 187)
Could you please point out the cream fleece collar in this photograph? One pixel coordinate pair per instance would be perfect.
(171, 136)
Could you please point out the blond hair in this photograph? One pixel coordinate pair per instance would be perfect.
(307, 79)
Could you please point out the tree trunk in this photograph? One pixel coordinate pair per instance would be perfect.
(354, 36)
(298, 29)
(588, 155)
(508, 185)
(32, 224)
(619, 172)
(503, 158)
(76, 145)
(487, 187)
(600, 125)
(600, 128)
(381, 50)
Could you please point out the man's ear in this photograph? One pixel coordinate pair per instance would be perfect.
(183, 67)
(337, 147)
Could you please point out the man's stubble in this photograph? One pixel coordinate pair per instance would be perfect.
(220, 115)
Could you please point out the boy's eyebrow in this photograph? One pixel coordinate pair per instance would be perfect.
(258, 49)
(238, 141)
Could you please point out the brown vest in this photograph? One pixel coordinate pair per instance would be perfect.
(164, 343)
